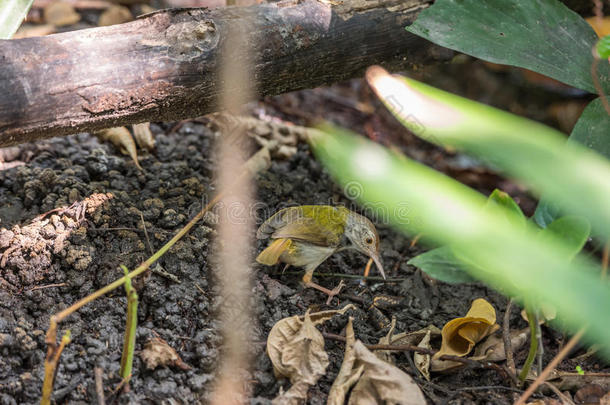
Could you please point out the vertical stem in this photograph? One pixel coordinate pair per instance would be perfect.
(533, 320)
(129, 340)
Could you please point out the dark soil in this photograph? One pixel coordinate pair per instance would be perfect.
(56, 249)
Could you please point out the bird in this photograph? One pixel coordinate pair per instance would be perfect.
(305, 236)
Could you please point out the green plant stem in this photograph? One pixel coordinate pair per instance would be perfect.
(129, 341)
(532, 318)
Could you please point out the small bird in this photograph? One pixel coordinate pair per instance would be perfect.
(305, 236)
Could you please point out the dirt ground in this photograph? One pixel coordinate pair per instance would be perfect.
(50, 259)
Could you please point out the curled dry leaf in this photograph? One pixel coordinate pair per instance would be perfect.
(143, 135)
(376, 380)
(157, 353)
(296, 350)
(60, 13)
(122, 139)
(422, 361)
(461, 334)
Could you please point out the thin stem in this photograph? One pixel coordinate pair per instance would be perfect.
(531, 356)
(508, 348)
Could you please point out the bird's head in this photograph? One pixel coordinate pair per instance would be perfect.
(362, 234)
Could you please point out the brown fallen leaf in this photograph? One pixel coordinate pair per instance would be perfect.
(122, 139)
(461, 334)
(157, 353)
(143, 135)
(296, 350)
(60, 13)
(422, 361)
(115, 15)
(348, 375)
(382, 382)
(601, 26)
(376, 381)
(492, 348)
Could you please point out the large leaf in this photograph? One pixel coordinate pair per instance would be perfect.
(510, 257)
(593, 131)
(12, 13)
(541, 35)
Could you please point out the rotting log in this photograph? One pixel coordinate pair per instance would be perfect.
(163, 66)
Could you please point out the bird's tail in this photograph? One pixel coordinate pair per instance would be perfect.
(272, 253)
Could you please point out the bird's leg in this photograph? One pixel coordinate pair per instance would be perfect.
(331, 293)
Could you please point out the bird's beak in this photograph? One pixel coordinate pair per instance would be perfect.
(379, 265)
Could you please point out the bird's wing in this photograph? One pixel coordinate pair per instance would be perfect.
(271, 255)
(317, 224)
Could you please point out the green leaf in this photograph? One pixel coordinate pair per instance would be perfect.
(512, 211)
(591, 130)
(441, 264)
(572, 230)
(603, 47)
(12, 13)
(543, 35)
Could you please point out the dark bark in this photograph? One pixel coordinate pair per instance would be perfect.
(164, 66)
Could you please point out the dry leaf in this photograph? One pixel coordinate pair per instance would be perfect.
(492, 348)
(122, 139)
(547, 313)
(461, 334)
(157, 352)
(296, 350)
(348, 375)
(143, 135)
(376, 380)
(382, 382)
(422, 361)
(60, 13)
(115, 15)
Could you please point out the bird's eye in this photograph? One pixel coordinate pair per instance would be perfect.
(369, 241)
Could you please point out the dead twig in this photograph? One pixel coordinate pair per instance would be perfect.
(508, 348)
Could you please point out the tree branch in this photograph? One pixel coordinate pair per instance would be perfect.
(164, 65)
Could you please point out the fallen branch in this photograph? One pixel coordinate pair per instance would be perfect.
(164, 65)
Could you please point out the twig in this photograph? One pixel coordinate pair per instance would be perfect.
(40, 287)
(50, 367)
(99, 385)
(557, 391)
(508, 347)
(412, 348)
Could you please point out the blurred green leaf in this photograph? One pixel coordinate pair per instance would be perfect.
(12, 13)
(441, 264)
(592, 131)
(603, 47)
(573, 231)
(544, 36)
(511, 258)
(572, 176)
(513, 212)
